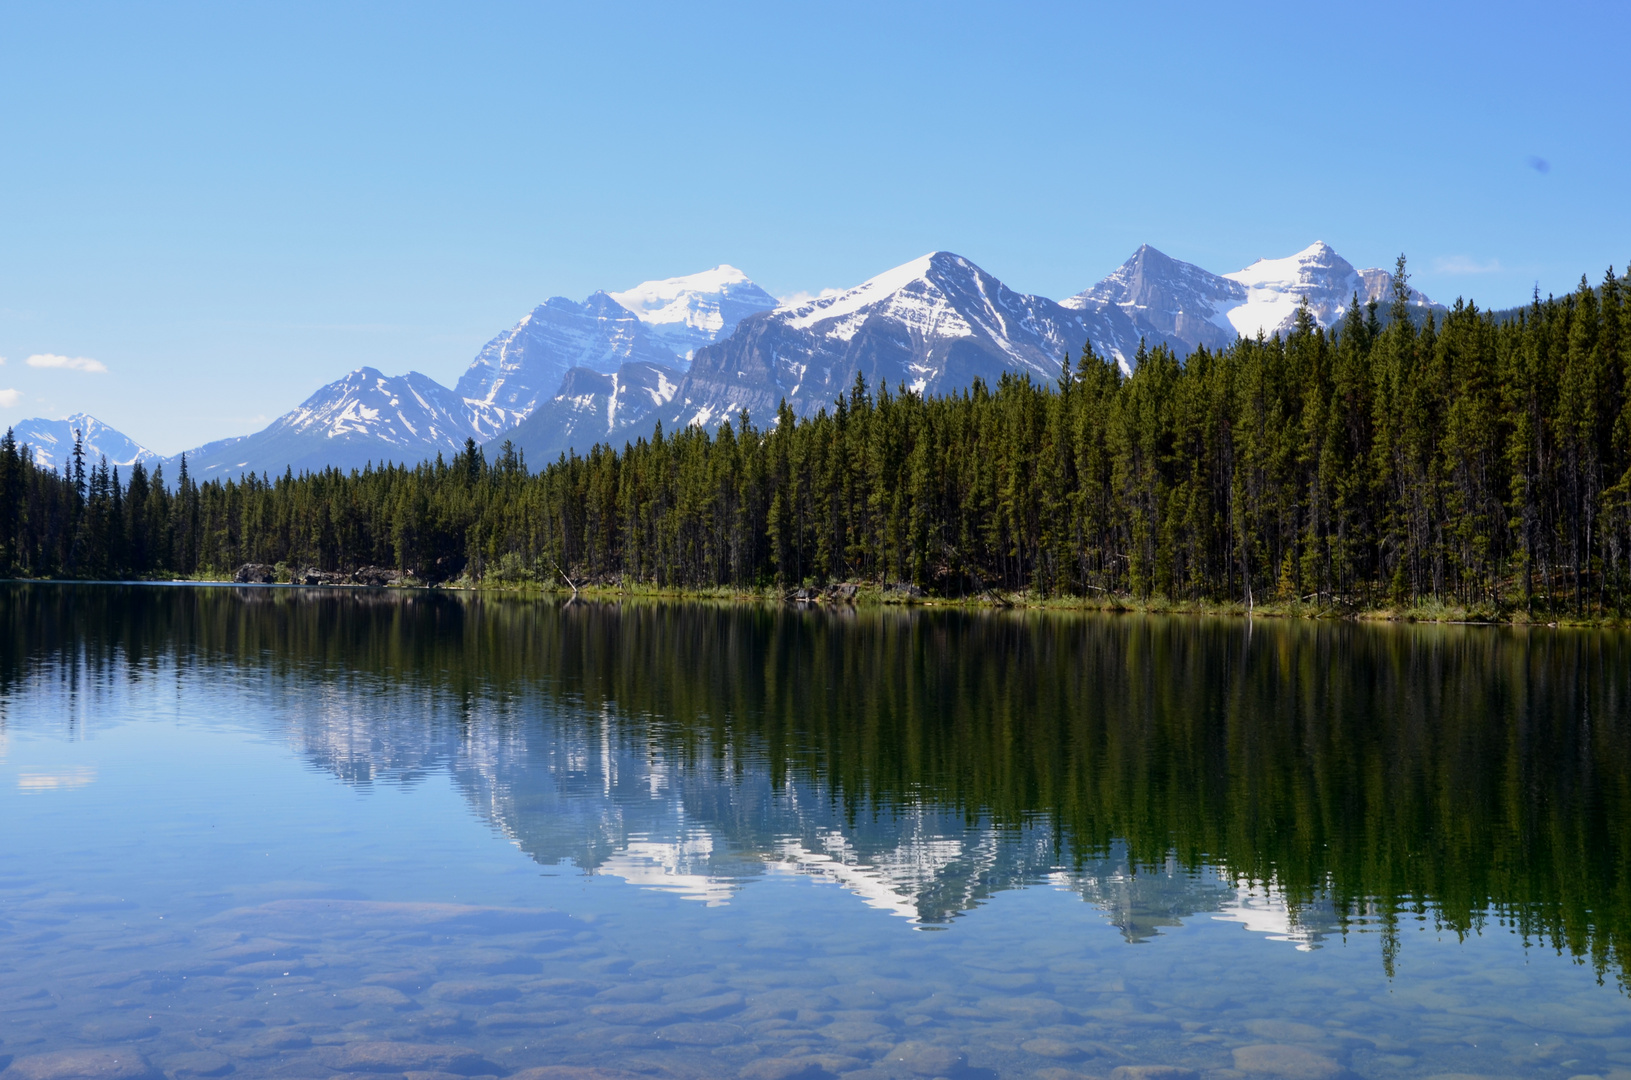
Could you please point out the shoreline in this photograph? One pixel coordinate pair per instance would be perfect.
(873, 596)
(869, 596)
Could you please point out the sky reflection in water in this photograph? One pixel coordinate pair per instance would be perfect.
(296, 833)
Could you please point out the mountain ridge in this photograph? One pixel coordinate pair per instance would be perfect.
(699, 348)
(933, 324)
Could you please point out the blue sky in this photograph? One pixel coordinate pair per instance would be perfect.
(226, 206)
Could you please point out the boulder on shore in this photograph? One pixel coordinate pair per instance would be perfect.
(255, 574)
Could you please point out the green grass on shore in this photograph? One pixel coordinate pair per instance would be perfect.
(867, 595)
(873, 595)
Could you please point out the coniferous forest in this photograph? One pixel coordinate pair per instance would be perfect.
(1464, 459)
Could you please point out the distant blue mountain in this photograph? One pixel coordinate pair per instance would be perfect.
(52, 442)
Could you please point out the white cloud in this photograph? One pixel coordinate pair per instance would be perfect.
(10, 398)
(1466, 264)
(795, 299)
(72, 363)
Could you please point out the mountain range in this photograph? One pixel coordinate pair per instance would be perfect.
(701, 348)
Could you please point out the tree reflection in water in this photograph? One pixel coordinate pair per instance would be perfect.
(1302, 778)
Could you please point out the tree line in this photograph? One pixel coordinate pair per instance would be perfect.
(1462, 458)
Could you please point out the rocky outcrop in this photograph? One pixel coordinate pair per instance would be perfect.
(376, 576)
(262, 574)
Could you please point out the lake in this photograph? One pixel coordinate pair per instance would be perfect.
(309, 833)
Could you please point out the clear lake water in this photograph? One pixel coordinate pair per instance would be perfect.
(309, 833)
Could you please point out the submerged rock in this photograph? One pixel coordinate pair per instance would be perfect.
(475, 993)
(639, 1015)
(784, 1069)
(926, 1059)
(855, 1031)
(701, 1033)
(713, 1005)
(1051, 1048)
(574, 1072)
(118, 1031)
(277, 1040)
(1153, 1072)
(529, 1021)
(1287, 1031)
(393, 1057)
(376, 996)
(83, 1065)
(192, 1063)
(1287, 1062)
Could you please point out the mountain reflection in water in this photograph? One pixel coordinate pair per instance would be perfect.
(1301, 779)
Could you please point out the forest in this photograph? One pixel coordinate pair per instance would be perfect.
(1463, 459)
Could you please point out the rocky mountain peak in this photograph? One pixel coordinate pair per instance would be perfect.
(1167, 296)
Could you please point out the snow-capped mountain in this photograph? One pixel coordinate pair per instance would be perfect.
(591, 408)
(596, 369)
(686, 313)
(933, 324)
(525, 365)
(1162, 295)
(656, 322)
(365, 417)
(52, 442)
(1275, 288)
(570, 375)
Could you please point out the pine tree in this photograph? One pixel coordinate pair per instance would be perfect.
(11, 502)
